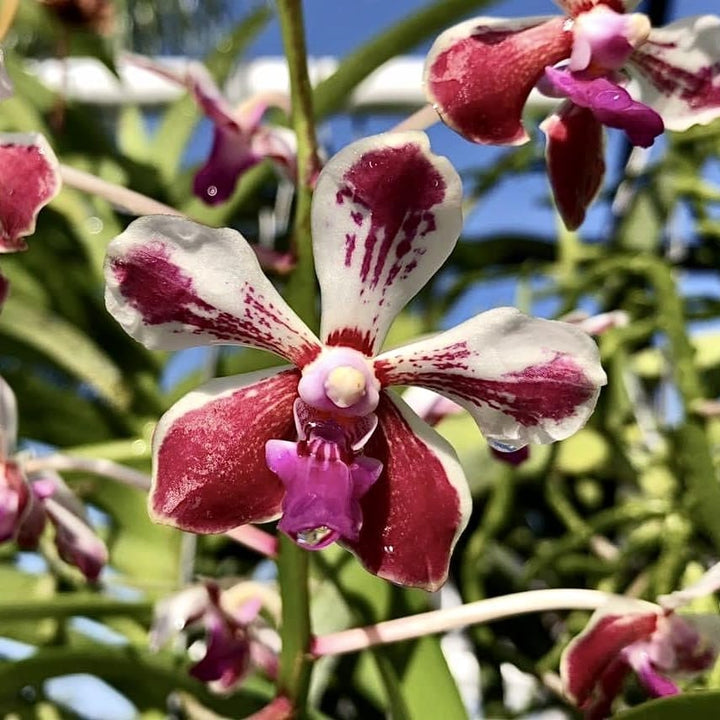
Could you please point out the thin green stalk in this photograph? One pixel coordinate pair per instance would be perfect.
(301, 290)
(293, 563)
(64, 606)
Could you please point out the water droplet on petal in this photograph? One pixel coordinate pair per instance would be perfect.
(313, 537)
(212, 190)
(503, 447)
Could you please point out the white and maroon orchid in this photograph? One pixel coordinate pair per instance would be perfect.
(232, 644)
(28, 501)
(29, 180)
(626, 637)
(479, 74)
(324, 444)
(240, 139)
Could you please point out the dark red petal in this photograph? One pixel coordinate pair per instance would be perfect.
(480, 73)
(416, 510)
(210, 472)
(593, 653)
(29, 179)
(575, 161)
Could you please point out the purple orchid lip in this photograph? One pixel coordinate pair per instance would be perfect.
(610, 103)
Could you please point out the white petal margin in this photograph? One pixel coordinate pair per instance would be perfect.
(708, 584)
(523, 379)
(678, 72)
(172, 283)
(8, 421)
(385, 216)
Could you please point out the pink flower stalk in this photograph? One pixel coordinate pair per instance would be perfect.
(240, 139)
(26, 503)
(323, 445)
(479, 74)
(622, 638)
(232, 647)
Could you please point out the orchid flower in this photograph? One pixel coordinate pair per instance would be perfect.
(323, 444)
(624, 637)
(479, 74)
(240, 140)
(26, 503)
(232, 645)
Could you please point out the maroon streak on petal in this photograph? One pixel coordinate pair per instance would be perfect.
(414, 513)
(386, 214)
(29, 180)
(575, 161)
(172, 283)
(678, 71)
(593, 652)
(523, 379)
(607, 688)
(479, 74)
(209, 469)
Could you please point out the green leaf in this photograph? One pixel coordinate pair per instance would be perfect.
(67, 346)
(698, 706)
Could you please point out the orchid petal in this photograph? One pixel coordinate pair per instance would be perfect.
(708, 584)
(609, 103)
(522, 379)
(479, 73)
(656, 684)
(174, 613)
(14, 499)
(385, 216)
(172, 283)
(592, 653)
(415, 512)
(29, 180)
(76, 541)
(574, 7)
(209, 470)
(678, 71)
(575, 161)
(8, 421)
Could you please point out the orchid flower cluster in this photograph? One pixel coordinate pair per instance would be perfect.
(28, 502)
(479, 74)
(324, 445)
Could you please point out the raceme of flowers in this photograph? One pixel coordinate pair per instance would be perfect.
(27, 503)
(654, 641)
(479, 74)
(324, 445)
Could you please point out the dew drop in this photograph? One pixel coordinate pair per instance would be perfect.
(503, 447)
(212, 190)
(313, 537)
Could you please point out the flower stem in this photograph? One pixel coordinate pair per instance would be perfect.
(482, 611)
(96, 466)
(129, 200)
(301, 289)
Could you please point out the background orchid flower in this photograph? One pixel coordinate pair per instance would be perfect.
(654, 643)
(6, 88)
(232, 647)
(479, 74)
(324, 444)
(240, 139)
(27, 502)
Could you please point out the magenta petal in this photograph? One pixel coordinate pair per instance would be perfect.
(29, 180)
(414, 513)
(590, 654)
(231, 155)
(657, 685)
(479, 74)
(210, 473)
(611, 105)
(575, 161)
(14, 499)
